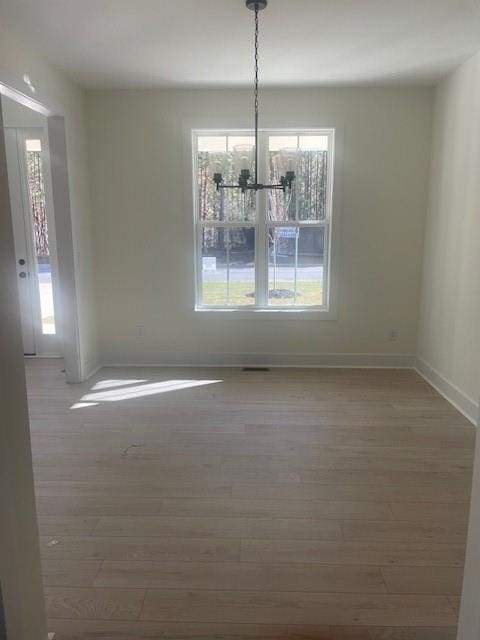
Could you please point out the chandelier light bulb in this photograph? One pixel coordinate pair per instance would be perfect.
(243, 157)
(217, 161)
(289, 157)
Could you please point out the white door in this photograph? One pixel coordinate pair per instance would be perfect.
(34, 235)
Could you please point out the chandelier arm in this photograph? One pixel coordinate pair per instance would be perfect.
(250, 186)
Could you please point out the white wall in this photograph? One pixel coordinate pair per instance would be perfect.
(449, 330)
(449, 335)
(144, 231)
(62, 96)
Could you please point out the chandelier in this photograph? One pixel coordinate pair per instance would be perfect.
(244, 155)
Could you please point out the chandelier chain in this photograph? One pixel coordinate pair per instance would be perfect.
(256, 60)
(256, 93)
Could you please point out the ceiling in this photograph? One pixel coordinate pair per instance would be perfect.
(164, 43)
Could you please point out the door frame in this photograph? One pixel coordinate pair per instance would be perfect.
(67, 311)
(45, 345)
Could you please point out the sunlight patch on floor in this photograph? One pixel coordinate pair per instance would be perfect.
(108, 384)
(107, 394)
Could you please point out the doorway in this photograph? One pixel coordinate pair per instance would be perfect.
(34, 238)
(19, 549)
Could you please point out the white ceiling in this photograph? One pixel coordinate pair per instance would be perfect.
(145, 43)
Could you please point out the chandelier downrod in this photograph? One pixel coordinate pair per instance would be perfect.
(244, 183)
(255, 92)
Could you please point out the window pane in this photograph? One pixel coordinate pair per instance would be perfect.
(295, 266)
(308, 197)
(228, 204)
(280, 205)
(38, 209)
(242, 266)
(310, 273)
(46, 295)
(311, 182)
(234, 140)
(214, 266)
(33, 145)
(228, 266)
(313, 143)
(281, 265)
(275, 143)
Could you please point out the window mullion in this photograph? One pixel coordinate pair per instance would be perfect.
(262, 253)
(296, 188)
(326, 263)
(227, 234)
(295, 273)
(225, 223)
(198, 265)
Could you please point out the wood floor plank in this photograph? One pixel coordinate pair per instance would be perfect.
(433, 493)
(140, 630)
(243, 576)
(432, 580)
(420, 512)
(402, 633)
(93, 604)
(283, 437)
(66, 525)
(441, 532)
(139, 548)
(69, 573)
(277, 508)
(141, 471)
(297, 608)
(357, 458)
(207, 527)
(411, 434)
(132, 488)
(354, 552)
(210, 507)
(418, 478)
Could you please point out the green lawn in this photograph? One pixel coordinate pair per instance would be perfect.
(215, 293)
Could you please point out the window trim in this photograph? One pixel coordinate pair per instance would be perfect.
(327, 311)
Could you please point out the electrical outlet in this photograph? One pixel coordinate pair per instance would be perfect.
(140, 331)
(393, 335)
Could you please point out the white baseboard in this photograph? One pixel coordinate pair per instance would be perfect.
(359, 360)
(448, 390)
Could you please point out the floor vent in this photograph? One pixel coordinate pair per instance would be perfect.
(255, 369)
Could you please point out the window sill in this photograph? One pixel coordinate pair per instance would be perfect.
(292, 314)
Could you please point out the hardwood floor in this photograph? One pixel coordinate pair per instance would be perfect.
(217, 504)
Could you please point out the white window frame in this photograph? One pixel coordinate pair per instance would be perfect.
(261, 224)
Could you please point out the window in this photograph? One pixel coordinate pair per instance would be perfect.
(38, 210)
(267, 250)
